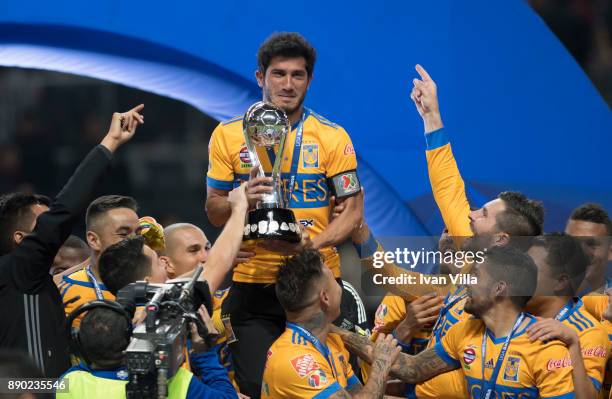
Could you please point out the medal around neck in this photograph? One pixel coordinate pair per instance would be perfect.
(265, 128)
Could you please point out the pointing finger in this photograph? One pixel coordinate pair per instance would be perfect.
(423, 73)
(137, 108)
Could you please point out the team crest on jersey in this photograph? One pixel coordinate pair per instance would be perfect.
(245, 158)
(379, 316)
(317, 378)
(310, 155)
(469, 355)
(304, 365)
(511, 372)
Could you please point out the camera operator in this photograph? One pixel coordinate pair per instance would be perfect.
(104, 335)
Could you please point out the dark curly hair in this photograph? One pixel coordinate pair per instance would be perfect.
(296, 277)
(286, 44)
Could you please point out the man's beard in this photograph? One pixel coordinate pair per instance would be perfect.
(477, 243)
(288, 111)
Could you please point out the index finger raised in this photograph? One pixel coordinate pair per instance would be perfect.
(137, 108)
(422, 72)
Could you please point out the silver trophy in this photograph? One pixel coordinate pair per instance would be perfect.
(265, 128)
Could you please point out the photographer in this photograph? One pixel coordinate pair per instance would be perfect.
(103, 337)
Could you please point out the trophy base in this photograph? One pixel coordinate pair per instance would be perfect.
(271, 224)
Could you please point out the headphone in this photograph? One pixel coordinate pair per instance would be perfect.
(75, 340)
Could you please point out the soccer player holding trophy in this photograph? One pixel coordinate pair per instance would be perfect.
(294, 161)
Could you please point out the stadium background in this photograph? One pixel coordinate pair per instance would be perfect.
(519, 103)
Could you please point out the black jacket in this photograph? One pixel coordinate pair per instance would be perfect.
(31, 312)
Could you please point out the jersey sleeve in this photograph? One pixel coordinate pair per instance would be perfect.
(595, 304)
(448, 348)
(302, 375)
(553, 372)
(447, 185)
(595, 348)
(340, 154)
(220, 170)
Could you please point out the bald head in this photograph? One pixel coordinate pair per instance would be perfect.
(186, 247)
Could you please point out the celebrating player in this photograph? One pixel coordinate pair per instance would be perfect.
(317, 150)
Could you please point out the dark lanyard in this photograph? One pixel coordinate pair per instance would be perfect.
(297, 146)
(94, 282)
(323, 350)
(452, 301)
(488, 387)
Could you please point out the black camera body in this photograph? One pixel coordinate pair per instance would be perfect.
(157, 348)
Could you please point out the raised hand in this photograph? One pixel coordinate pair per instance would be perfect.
(424, 94)
(123, 127)
(238, 198)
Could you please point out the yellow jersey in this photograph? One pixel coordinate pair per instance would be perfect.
(79, 284)
(295, 368)
(449, 385)
(594, 342)
(596, 304)
(529, 370)
(326, 151)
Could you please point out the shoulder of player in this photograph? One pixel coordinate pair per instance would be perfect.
(467, 327)
(322, 122)
(334, 342)
(232, 121)
(595, 303)
(80, 276)
(230, 128)
(583, 321)
(284, 351)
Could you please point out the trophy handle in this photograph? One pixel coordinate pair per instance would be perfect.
(277, 180)
(253, 155)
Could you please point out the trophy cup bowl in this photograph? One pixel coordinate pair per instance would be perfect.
(265, 126)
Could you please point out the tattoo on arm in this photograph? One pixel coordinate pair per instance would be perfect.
(355, 343)
(419, 368)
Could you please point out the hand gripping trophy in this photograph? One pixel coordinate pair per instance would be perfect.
(265, 127)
